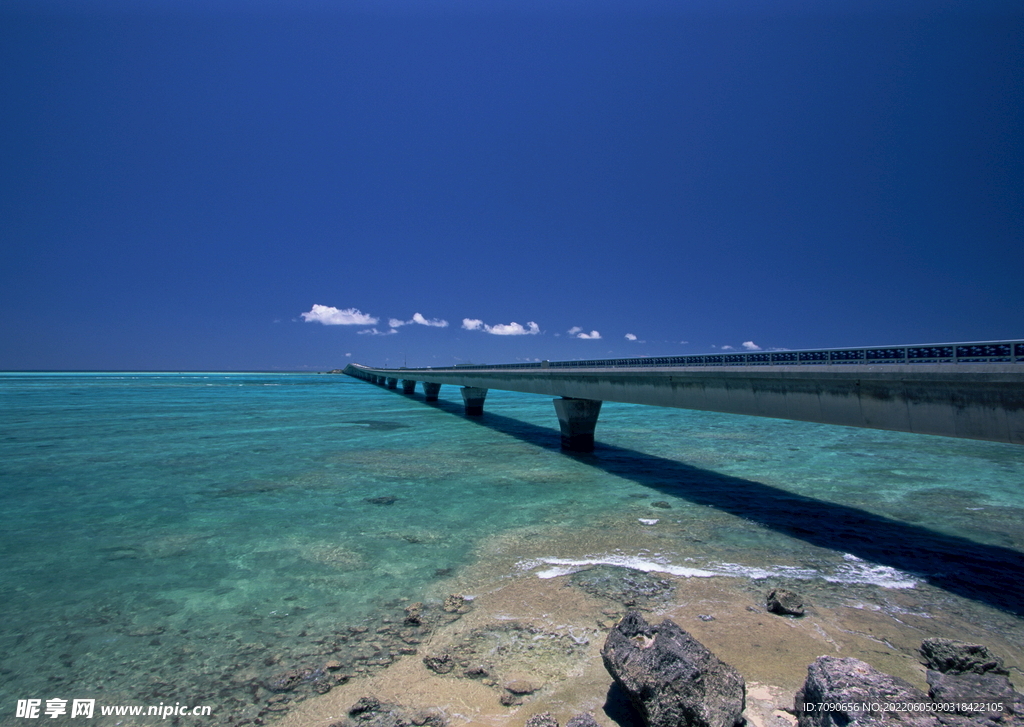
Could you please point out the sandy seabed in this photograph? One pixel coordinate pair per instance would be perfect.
(549, 631)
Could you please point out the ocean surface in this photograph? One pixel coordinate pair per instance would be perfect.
(179, 538)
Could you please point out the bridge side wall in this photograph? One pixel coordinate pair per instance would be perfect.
(984, 402)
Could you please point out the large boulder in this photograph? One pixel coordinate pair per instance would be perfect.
(670, 677)
(957, 657)
(973, 681)
(848, 687)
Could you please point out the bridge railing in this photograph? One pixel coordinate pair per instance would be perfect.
(956, 353)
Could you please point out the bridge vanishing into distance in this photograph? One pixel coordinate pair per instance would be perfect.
(971, 390)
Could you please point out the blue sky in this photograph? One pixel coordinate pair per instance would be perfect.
(180, 182)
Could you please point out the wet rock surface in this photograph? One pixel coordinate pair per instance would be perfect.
(320, 661)
(627, 586)
(957, 657)
(371, 712)
(670, 677)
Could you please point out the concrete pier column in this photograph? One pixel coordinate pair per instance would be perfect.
(474, 399)
(430, 391)
(577, 419)
(408, 387)
(392, 383)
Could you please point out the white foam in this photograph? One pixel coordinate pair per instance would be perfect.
(854, 570)
(857, 570)
(648, 521)
(564, 566)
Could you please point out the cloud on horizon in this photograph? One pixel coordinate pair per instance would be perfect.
(577, 332)
(375, 332)
(751, 346)
(330, 316)
(418, 318)
(501, 329)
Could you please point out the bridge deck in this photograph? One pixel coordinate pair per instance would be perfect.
(975, 401)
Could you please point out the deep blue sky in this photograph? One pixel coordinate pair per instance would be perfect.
(180, 182)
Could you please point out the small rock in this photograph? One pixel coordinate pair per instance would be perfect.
(332, 664)
(662, 504)
(442, 664)
(705, 617)
(582, 720)
(784, 603)
(383, 500)
(521, 686)
(478, 671)
(413, 614)
(430, 717)
(544, 719)
(510, 700)
(365, 704)
(454, 602)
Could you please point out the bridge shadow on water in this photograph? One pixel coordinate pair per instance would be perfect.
(989, 574)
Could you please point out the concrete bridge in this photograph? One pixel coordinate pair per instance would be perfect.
(971, 390)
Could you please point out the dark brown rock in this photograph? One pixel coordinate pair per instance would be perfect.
(851, 682)
(784, 603)
(670, 677)
(453, 603)
(441, 664)
(582, 720)
(521, 686)
(957, 657)
(544, 719)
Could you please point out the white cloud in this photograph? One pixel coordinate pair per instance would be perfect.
(433, 322)
(727, 348)
(630, 337)
(513, 329)
(577, 332)
(751, 346)
(418, 318)
(501, 329)
(330, 316)
(375, 332)
(348, 354)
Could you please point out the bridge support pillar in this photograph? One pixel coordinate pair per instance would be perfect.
(430, 391)
(577, 419)
(392, 383)
(408, 387)
(474, 399)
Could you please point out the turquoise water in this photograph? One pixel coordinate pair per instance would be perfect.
(184, 536)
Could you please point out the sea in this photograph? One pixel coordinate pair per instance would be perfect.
(181, 538)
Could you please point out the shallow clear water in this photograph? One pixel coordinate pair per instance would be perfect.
(164, 533)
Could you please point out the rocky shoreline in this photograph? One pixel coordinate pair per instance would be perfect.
(581, 649)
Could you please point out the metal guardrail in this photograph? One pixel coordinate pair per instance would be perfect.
(956, 353)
